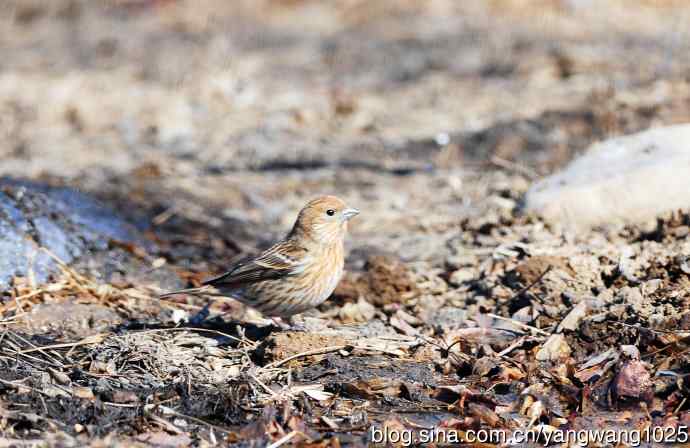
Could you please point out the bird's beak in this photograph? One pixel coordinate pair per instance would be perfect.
(350, 213)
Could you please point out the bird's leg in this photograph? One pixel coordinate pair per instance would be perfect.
(280, 323)
(296, 324)
(288, 324)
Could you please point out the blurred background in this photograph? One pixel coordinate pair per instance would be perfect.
(229, 115)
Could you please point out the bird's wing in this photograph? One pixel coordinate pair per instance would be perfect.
(278, 261)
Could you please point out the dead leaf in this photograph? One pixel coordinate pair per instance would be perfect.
(484, 414)
(597, 365)
(375, 387)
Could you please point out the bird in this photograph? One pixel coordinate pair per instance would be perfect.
(297, 273)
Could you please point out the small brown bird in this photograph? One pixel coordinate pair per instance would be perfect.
(296, 274)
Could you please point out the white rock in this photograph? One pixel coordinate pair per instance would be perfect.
(574, 317)
(461, 276)
(554, 349)
(623, 180)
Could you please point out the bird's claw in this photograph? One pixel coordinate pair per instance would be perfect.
(288, 325)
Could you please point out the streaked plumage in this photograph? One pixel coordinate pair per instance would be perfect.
(296, 274)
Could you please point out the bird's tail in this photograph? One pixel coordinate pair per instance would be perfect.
(203, 290)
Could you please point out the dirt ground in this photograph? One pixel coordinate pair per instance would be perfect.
(210, 123)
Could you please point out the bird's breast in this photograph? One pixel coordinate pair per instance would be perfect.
(326, 270)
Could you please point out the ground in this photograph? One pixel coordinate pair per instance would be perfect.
(209, 124)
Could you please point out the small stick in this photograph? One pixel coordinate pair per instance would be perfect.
(518, 294)
(201, 330)
(31, 294)
(318, 351)
(376, 349)
(162, 217)
(513, 166)
(260, 383)
(531, 285)
(640, 327)
(520, 324)
(512, 347)
(95, 339)
(165, 424)
(121, 405)
(194, 419)
(36, 348)
(283, 440)
(13, 351)
(323, 351)
(19, 386)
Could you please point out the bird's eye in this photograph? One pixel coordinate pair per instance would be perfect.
(330, 212)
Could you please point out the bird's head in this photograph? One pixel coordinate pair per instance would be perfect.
(324, 220)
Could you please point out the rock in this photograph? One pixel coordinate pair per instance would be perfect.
(461, 276)
(633, 381)
(574, 317)
(554, 349)
(633, 297)
(362, 311)
(69, 225)
(630, 352)
(448, 317)
(630, 179)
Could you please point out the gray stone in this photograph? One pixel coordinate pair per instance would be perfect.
(630, 179)
(68, 224)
